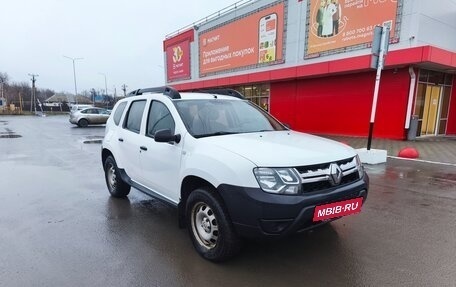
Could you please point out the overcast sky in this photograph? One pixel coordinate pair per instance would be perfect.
(122, 39)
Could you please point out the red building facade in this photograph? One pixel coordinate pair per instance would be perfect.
(332, 94)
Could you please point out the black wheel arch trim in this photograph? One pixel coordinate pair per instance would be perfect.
(145, 190)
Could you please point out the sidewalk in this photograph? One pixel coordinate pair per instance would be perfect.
(436, 149)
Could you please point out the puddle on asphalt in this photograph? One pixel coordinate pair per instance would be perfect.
(446, 176)
(9, 136)
(443, 183)
(93, 140)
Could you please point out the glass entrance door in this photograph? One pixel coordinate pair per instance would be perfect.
(431, 110)
(432, 102)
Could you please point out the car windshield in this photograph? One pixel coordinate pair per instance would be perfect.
(220, 117)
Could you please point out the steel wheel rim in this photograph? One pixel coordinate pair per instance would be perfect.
(205, 225)
(111, 176)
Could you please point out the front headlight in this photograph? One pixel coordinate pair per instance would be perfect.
(359, 166)
(278, 180)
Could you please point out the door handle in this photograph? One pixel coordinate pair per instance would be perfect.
(143, 148)
(120, 139)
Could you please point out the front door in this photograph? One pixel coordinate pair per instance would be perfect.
(160, 162)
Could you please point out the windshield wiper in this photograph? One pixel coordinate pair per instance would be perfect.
(215, 134)
(259, 131)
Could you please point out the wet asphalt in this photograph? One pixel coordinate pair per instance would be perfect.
(60, 227)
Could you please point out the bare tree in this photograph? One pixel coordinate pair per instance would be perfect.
(4, 78)
(3, 83)
(44, 94)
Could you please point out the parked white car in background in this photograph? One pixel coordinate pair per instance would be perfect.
(89, 116)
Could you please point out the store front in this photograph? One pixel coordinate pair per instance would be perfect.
(257, 94)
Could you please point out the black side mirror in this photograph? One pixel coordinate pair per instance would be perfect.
(165, 136)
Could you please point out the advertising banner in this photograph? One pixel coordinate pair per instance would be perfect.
(178, 61)
(256, 39)
(335, 24)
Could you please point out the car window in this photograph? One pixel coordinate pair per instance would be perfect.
(103, 111)
(90, 111)
(159, 118)
(134, 116)
(119, 111)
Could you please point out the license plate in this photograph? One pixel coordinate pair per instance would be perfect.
(337, 209)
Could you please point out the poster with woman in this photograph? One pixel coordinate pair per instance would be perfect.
(335, 24)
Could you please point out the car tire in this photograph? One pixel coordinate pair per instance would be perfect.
(116, 186)
(210, 227)
(82, 123)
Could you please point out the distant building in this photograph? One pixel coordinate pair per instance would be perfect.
(61, 98)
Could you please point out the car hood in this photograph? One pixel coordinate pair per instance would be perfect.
(282, 148)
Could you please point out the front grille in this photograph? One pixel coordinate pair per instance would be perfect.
(318, 177)
(315, 186)
(303, 169)
(349, 178)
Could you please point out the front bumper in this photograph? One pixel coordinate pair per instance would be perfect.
(255, 213)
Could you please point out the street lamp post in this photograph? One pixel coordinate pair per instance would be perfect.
(106, 85)
(33, 95)
(74, 76)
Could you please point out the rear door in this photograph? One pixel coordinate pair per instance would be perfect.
(104, 115)
(96, 116)
(129, 139)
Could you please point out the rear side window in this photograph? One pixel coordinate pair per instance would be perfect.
(159, 118)
(119, 111)
(134, 116)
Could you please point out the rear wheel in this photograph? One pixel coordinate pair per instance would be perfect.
(83, 123)
(210, 228)
(116, 186)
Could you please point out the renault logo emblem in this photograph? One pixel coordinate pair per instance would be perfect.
(335, 174)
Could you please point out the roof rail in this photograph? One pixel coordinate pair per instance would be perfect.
(165, 90)
(225, 92)
(132, 93)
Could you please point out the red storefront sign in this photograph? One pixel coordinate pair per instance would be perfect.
(178, 61)
(256, 39)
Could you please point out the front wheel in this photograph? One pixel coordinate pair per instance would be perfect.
(116, 186)
(210, 228)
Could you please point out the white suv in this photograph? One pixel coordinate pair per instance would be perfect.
(230, 168)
